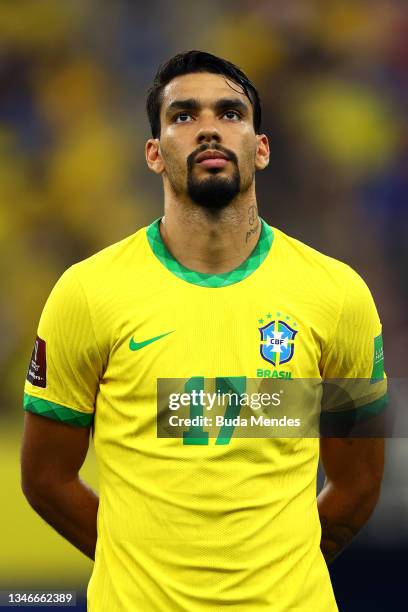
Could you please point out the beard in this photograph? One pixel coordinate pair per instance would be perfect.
(214, 192)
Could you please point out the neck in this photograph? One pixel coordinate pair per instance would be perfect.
(209, 242)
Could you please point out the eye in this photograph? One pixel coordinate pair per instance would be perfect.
(182, 118)
(232, 115)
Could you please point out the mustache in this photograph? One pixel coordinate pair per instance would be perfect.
(230, 155)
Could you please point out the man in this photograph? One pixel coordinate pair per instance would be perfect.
(212, 296)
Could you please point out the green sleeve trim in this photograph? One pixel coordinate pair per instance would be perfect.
(356, 415)
(58, 412)
(373, 408)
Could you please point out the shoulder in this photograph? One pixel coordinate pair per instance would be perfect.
(316, 267)
(103, 275)
(114, 257)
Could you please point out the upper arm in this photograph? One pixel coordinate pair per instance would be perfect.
(61, 386)
(355, 393)
(52, 452)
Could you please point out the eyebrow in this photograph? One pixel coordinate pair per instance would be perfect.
(193, 104)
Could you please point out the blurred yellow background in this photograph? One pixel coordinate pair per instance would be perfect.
(73, 79)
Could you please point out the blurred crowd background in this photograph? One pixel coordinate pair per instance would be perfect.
(333, 78)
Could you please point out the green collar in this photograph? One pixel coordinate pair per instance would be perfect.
(203, 279)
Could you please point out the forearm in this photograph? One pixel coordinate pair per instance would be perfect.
(343, 512)
(71, 509)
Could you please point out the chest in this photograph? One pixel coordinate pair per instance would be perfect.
(206, 342)
(211, 332)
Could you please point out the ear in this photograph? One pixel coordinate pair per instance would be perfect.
(153, 156)
(262, 152)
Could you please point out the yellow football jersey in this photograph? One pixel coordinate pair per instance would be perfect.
(196, 523)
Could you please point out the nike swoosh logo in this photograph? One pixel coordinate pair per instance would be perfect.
(135, 346)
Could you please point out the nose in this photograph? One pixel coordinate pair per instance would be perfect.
(208, 134)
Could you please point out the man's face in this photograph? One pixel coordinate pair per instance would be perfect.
(208, 148)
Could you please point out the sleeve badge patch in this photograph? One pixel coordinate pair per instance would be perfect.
(37, 370)
(377, 373)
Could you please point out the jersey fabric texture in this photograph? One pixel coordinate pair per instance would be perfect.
(194, 527)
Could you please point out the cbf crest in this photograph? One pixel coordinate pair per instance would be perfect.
(277, 341)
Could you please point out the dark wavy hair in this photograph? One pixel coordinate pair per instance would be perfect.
(197, 61)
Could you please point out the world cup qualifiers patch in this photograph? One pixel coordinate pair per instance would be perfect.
(37, 370)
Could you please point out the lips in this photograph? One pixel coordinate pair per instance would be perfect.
(212, 159)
